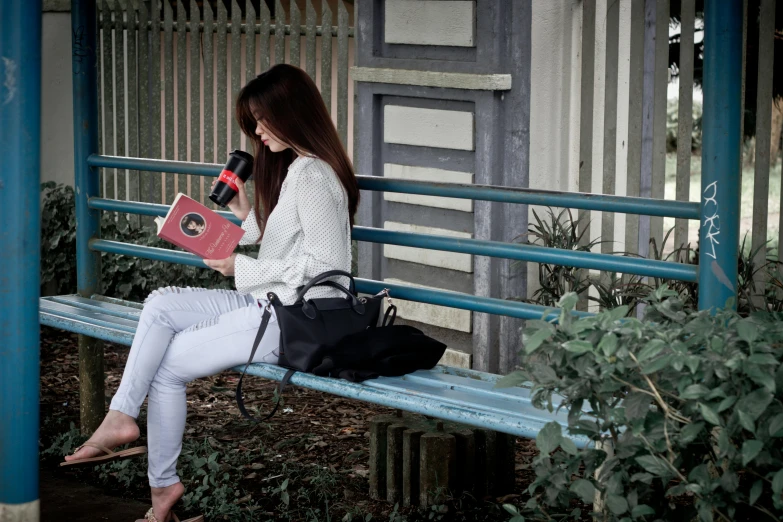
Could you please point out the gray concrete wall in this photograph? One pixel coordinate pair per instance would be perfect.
(56, 96)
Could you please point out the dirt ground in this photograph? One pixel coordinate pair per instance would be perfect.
(308, 463)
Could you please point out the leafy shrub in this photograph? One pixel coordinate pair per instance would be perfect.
(58, 238)
(121, 276)
(561, 231)
(564, 232)
(692, 405)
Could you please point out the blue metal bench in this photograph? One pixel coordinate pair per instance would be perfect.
(448, 393)
(453, 394)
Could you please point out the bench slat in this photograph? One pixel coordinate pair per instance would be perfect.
(116, 310)
(453, 394)
(93, 317)
(86, 328)
(121, 302)
(525, 421)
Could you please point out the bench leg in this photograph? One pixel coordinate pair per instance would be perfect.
(91, 384)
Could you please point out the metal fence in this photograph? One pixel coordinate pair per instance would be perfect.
(648, 76)
(170, 69)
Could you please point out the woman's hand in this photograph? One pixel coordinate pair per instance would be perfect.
(239, 204)
(224, 266)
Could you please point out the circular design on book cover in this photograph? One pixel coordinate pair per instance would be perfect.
(193, 224)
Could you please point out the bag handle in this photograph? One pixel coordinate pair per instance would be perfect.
(356, 304)
(280, 386)
(321, 277)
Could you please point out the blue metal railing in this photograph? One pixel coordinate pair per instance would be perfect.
(532, 253)
(521, 252)
(602, 202)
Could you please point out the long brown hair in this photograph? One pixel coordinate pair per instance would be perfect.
(291, 108)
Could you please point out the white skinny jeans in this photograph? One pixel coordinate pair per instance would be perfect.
(185, 334)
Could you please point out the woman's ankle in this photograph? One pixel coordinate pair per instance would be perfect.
(163, 499)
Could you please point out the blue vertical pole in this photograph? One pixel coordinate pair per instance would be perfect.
(721, 145)
(20, 256)
(84, 40)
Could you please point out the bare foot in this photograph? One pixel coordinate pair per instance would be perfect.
(115, 430)
(163, 499)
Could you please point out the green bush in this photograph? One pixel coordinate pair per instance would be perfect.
(691, 403)
(672, 126)
(121, 276)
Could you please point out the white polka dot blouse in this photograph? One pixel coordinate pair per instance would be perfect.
(308, 233)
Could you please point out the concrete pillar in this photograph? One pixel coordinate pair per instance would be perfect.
(411, 454)
(394, 462)
(437, 467)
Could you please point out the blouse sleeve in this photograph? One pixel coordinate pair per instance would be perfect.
(251, 228)
(322, 230)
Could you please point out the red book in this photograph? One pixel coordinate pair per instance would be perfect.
(199, 230)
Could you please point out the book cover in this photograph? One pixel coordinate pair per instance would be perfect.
(199, 230)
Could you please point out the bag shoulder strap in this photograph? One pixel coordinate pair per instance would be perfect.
(287, 377)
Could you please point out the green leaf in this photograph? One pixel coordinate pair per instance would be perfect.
(584, 489)
(705, 512)
(746, 422)
(777, 482)
(654, 465)
(511, 509)
(608, 344)
(709, 414)
(761, 377)
(511, 380)
(689, 433)
(568, 446)
(637, 405)
(776, 426)
(617, 504)
(549, 438)
(755, 403)
(618, 313)
(568, 301)
(695, 391)
(657, 365)
(644, 478)
(533, 342)
(727, 403)
(747, 331)
(543, 374)
(763, 359)
(750, 449)
(651, 349)
(729, 481)
(578, 347)
(642, 510)
(755, 491)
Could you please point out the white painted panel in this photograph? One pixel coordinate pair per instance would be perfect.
(428, 127)
(431, 22)
(456, 359)
(393, 170)
(443, 316)
(439, 258)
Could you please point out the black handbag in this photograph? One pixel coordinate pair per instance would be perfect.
(310, 327)
(381, 352)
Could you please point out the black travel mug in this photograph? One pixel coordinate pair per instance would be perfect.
(239, 165)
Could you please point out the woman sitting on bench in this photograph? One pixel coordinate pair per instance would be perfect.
(308, 195)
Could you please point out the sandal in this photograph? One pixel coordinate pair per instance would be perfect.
(150, 517)
(103, 459)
